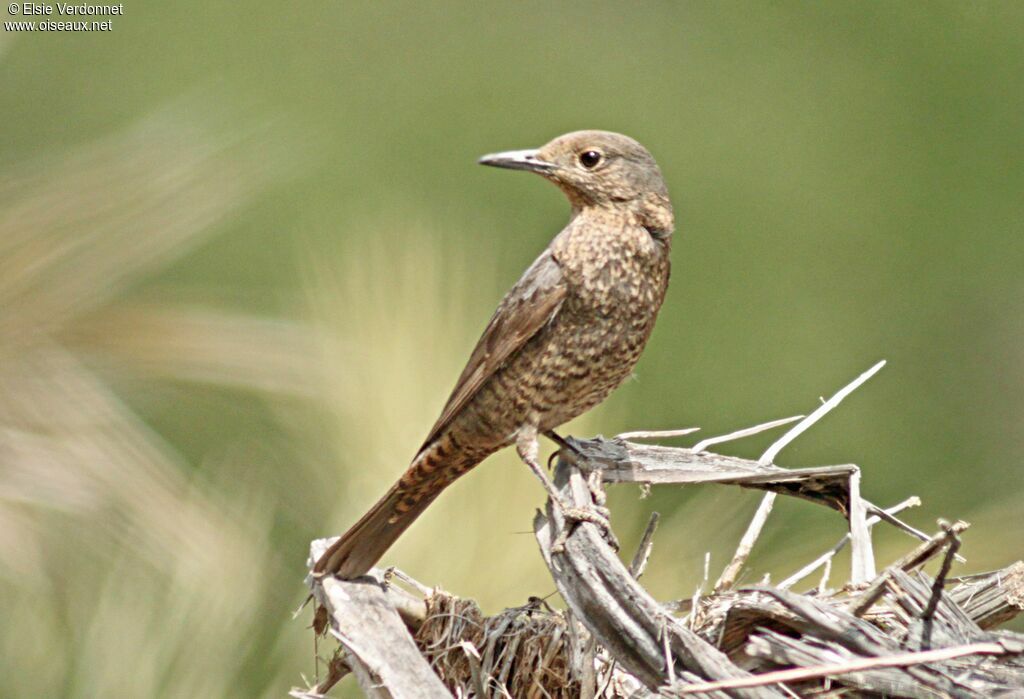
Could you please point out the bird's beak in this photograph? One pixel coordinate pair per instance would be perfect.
(518, 160)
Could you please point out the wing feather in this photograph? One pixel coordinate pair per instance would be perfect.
(528, 307)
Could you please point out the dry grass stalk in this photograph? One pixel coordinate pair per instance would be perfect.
(898, 633)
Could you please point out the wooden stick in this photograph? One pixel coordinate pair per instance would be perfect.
(919, 556)
(746, 432)
(821, 560)
(732, 571)
(992, 598)
(900, 524)
(657, 434)
(810, 673)
(643, 551)
(769, 456)
(382, 654)
(862, 556)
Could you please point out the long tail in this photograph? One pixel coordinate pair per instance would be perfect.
(367, 540)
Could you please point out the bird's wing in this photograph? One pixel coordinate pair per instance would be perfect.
(532, 303)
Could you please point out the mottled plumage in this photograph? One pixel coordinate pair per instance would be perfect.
(561, 340)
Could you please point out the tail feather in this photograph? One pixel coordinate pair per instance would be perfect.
(437, 465)
(367, 540)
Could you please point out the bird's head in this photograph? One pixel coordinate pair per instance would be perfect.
(599, 169)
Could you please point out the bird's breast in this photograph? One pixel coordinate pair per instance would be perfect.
(614, 270)
(616, 286)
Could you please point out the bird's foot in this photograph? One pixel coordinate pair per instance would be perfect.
(598, 515)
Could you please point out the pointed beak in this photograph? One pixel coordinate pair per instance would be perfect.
(518, 160)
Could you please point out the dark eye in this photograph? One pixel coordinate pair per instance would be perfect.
(590, 158)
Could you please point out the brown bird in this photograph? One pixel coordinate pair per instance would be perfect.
(561, 340)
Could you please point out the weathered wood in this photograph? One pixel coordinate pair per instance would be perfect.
(992, 598)
(829, 634)
(643, 551)
(372, 621)
(835, 486)
(732, 571)
(864, 671)
(918, 557)
(628, 462)
(380, 651)
(862, 556)
(826, 557)
(817, 636)
(775, 636)
(621, 615)
(808, 652)
(902, 635)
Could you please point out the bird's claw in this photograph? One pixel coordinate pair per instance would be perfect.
(597, 515)
(566, 450)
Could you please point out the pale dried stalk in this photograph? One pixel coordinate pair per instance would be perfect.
(746, 432)
(643, 551)
(769, 456)
(625, 639)
(810, 673)
(657, 434)
(826, 557)
(739, 559)
(863, 560)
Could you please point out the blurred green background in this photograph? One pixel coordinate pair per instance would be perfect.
(245, 251)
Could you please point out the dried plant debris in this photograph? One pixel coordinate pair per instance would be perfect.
(777, 640)
(901, 632)
(524, 652)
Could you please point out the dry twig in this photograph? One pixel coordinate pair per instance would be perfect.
(904, 634)
(807, 673)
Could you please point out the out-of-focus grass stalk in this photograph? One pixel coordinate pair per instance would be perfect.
(125, 570)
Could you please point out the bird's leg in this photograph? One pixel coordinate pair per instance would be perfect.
(576, 457)
(528, 449)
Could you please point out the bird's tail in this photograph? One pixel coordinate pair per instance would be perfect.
(367, 540)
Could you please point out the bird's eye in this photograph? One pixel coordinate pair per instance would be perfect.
(590, 158)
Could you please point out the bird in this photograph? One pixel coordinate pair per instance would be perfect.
(561, 340)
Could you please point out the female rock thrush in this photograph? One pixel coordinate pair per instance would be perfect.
(562, 339)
